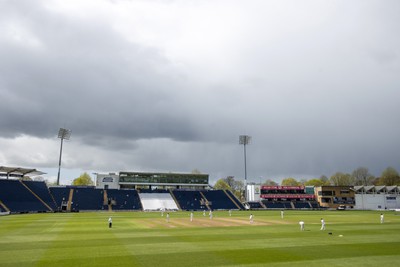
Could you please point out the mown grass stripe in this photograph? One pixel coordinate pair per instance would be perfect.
(83, 239)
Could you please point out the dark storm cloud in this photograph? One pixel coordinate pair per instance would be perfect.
(88, 78)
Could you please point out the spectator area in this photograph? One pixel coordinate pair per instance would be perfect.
(255, 205)
(126, 199)
(42, 191)
(60, 195)
(219, 200)
(87, 198)
(18, 198)
(189, 199)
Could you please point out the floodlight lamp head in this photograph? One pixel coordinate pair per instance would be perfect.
(64, 133)
(244, 139)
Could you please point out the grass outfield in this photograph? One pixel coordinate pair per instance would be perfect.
(146, 239)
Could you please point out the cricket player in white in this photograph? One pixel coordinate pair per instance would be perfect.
(251, 218)
(282, 214)
(382, 218)
(167, 217)
(191, 216)
(301, 225)
(322, 224)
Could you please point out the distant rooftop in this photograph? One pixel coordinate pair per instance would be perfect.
(18, 172)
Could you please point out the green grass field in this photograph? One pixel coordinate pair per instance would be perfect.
(146, 239)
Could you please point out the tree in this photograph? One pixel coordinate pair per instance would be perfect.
(389, 177)
(269, 182)
(237, 187)
(290, 182)
(341, 179)
(303, 181)
(26, 178)
(362, 176)
(84, 179)
(38, 179)
(315, 182)
(50, 183)
(230, 180)
(324, 179)
(222, 185)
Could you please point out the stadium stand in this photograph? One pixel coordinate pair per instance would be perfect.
(287, 197)
(274, 205)
(42, 191)
(126, 199)
(255, 205)
(157, 201)
(219, 200)
(301, 205)
(314, 205)
(87, 198)
(19, 196)
(235, 199)
(18, 199)
(60, 195)
(189, 199)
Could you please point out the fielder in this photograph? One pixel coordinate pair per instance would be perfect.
(301, 225)
(322, 224)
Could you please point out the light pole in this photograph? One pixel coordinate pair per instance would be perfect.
(245, 140)
(62, 134)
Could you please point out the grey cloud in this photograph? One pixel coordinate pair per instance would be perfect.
(90, 79)
(319, 93)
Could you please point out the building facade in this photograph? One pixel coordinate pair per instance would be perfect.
(377, 197)
(152, 181)
(334, 197)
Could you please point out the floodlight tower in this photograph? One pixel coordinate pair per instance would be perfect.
(62, 134)
(245, 140)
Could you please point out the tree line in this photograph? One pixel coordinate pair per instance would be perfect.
(360, 176)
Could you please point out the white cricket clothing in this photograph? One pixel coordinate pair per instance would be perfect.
(322, 224)
(301, 225)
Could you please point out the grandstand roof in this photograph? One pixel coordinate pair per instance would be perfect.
(18, 171)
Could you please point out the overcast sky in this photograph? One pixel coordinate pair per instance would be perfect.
(169, 86)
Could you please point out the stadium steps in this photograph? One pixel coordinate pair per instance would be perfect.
(174, 198)
(206, 203)
(237, 201)
(263, 205)
(52, 198)
(292, 205)
(105, 197)
(234, 202)
(71, 194)
(4, 206)
(105, 200)
(33, 193)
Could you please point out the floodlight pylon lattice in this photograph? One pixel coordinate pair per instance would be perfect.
(62, 134)
(245, 140)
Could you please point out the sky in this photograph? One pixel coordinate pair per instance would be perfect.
(169, 86)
